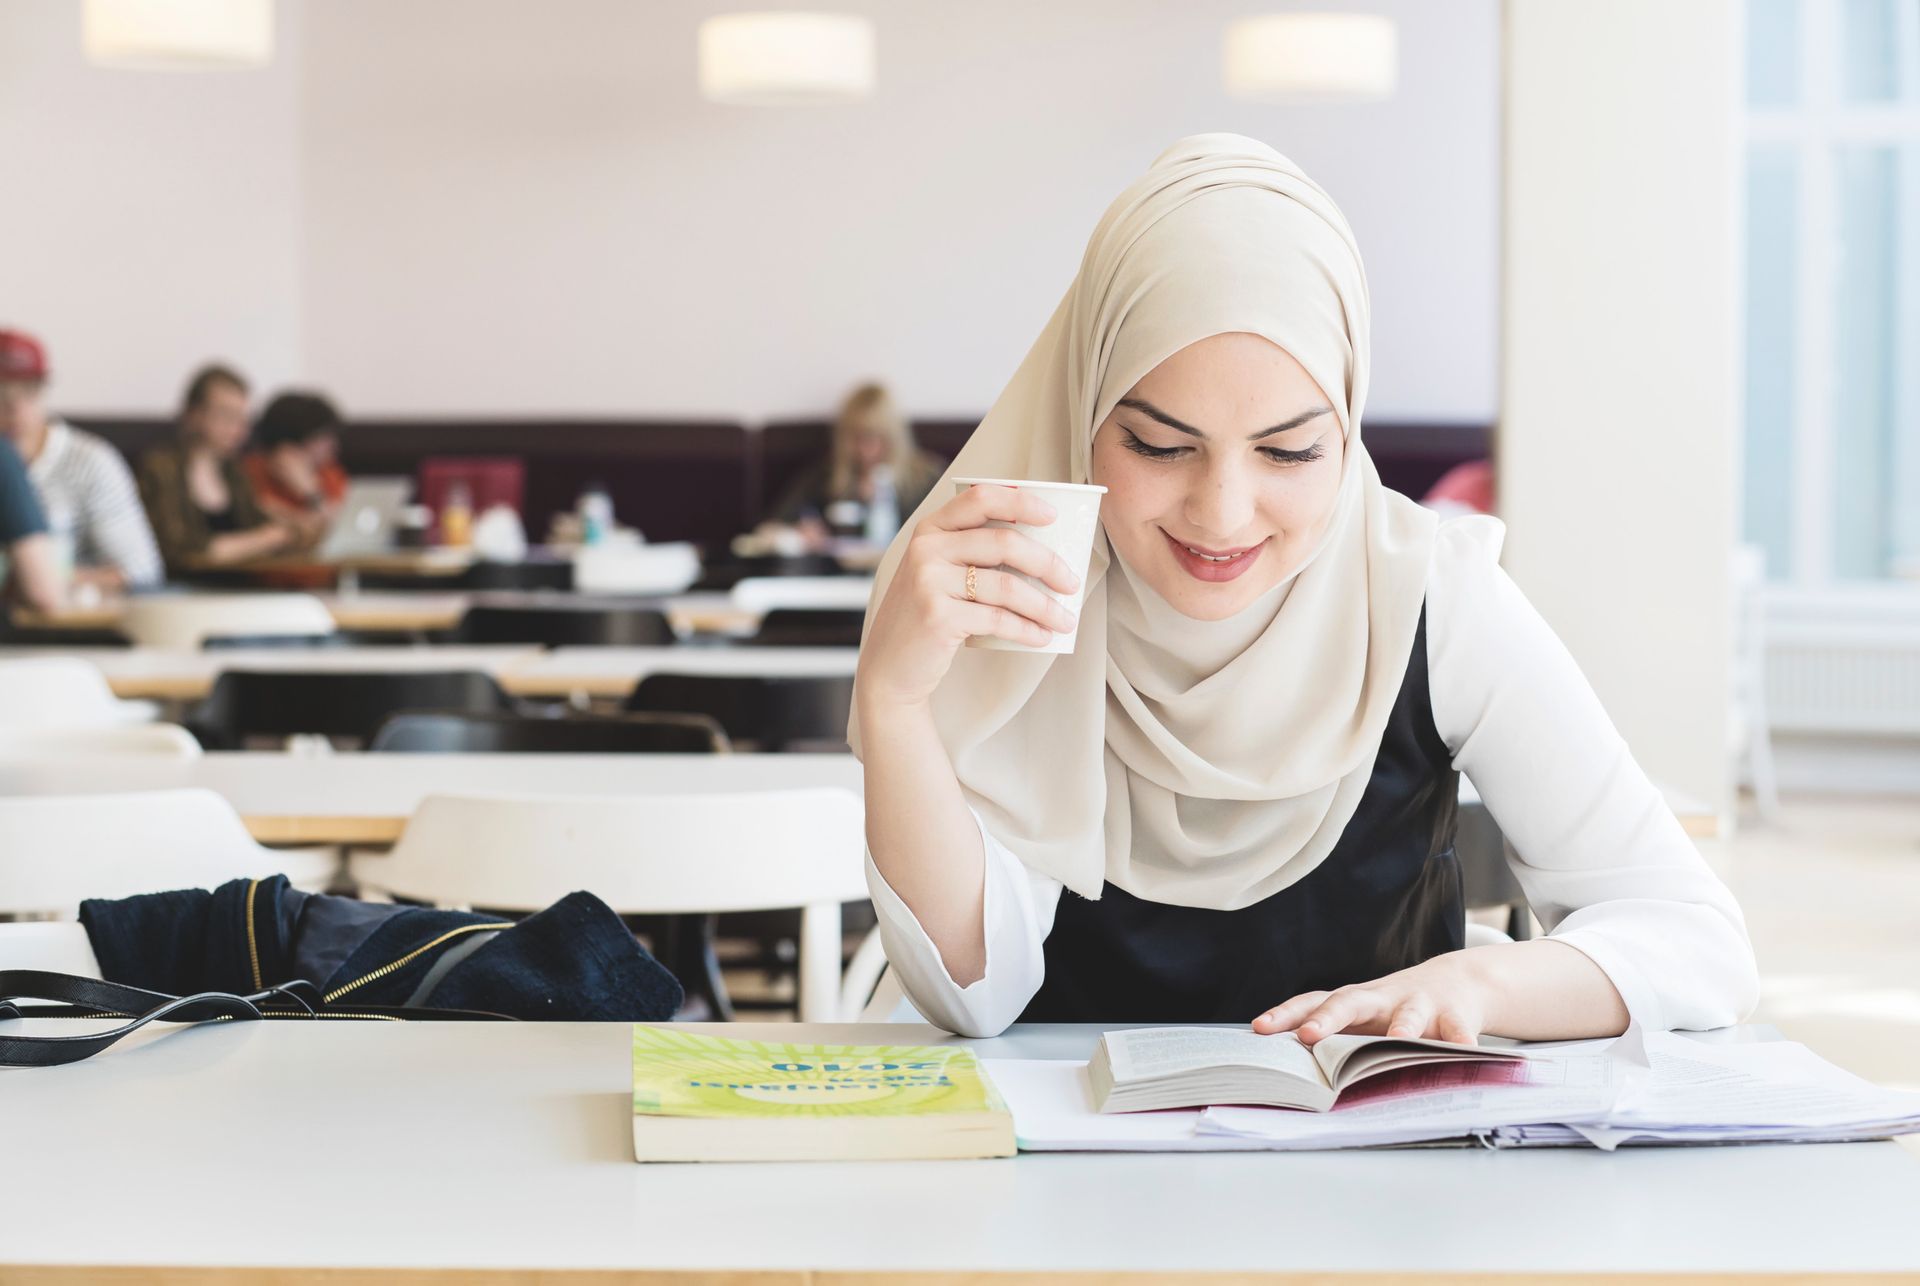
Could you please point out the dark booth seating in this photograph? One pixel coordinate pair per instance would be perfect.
(709, 480)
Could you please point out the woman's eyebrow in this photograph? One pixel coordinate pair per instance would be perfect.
(1147, 408)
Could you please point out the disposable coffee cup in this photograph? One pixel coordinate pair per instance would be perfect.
(1076, 508)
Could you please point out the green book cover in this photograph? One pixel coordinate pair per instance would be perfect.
(678, 1073)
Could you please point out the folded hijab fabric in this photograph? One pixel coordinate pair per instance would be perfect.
(1205, 764)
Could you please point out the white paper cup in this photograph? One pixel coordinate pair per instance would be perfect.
(1076, 508)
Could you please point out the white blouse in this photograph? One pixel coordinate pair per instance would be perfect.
(1602, 860)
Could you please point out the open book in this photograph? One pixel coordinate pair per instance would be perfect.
(1150, 1068)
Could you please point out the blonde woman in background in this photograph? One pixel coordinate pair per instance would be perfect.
(873, 476)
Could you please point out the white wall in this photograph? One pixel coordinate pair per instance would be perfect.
(148, 220)
(1619, 401)
(507, 206)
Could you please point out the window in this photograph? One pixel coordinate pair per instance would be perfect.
(1831, 473)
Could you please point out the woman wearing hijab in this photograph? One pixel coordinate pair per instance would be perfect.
(1234, 800)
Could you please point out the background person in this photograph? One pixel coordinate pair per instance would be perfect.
(872, 460)
(202, 507)
(294, 464)
(31, 575)
(84, 486)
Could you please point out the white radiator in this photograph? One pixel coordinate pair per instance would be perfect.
(1843, 660)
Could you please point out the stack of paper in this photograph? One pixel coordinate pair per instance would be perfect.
(1658, 1088)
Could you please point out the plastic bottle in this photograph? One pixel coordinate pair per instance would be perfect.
(456, 516)
(595, 508)
(883, 512)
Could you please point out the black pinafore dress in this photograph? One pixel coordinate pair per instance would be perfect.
(1387, 897)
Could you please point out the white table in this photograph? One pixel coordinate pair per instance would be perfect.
(366, 798)
(181, 675)
(613, 671)
(169, 674)
(507, 1147)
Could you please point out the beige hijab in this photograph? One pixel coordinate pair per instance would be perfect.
(1206, 764)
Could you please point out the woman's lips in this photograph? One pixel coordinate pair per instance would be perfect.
(1216, 565)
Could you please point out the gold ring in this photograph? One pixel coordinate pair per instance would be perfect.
(973, 574)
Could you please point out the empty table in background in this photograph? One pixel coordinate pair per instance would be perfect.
(367, 798)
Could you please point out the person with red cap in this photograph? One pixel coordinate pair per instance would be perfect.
(84, 486)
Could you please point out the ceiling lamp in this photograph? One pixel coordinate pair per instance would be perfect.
(1349, 57)
(165, 35)
(772, 58)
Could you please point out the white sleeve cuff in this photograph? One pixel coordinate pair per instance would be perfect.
(1017, 911)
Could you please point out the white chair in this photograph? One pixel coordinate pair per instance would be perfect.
(186, 621)
(125, 739)
(644, 855)
(57, 947)
(764, 593)
(62, 692)
(59, 850)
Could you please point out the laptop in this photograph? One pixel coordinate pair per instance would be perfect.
(368, 517)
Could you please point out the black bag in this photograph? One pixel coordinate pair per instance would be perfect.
(251, 949)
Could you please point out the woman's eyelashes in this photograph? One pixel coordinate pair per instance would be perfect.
(1279, 455)
(1138, 447)
(1304, 455)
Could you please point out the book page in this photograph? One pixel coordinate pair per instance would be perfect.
(1579, 1083)
(1345, 1058)
(1153, 1052)
(1773, 1083)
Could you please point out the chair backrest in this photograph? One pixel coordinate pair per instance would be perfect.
(455, 732)
(641, 854)
(108, 739)
(724, 573)
(56, 851)
(273, 703)
(527, 574)
(61, 692)
(810, 627)
(184, 621)
(772, 711)
(764, 594)
(60, 946)
(567, 626)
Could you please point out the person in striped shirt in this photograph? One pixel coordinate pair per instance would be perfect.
(83, 484)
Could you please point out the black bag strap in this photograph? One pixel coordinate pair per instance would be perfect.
(78, 997)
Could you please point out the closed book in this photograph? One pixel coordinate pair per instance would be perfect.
(709, 1098)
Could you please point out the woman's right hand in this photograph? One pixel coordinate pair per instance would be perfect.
(926, 615)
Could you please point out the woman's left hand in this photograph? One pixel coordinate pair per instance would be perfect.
(1444, 997)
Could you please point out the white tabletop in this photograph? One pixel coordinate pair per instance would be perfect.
(507, 1146)
(613, 671)
(181, 675)
(360, 798)
(367, 798)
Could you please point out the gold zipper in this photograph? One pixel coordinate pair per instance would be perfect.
(253, 943)
(403, 961)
